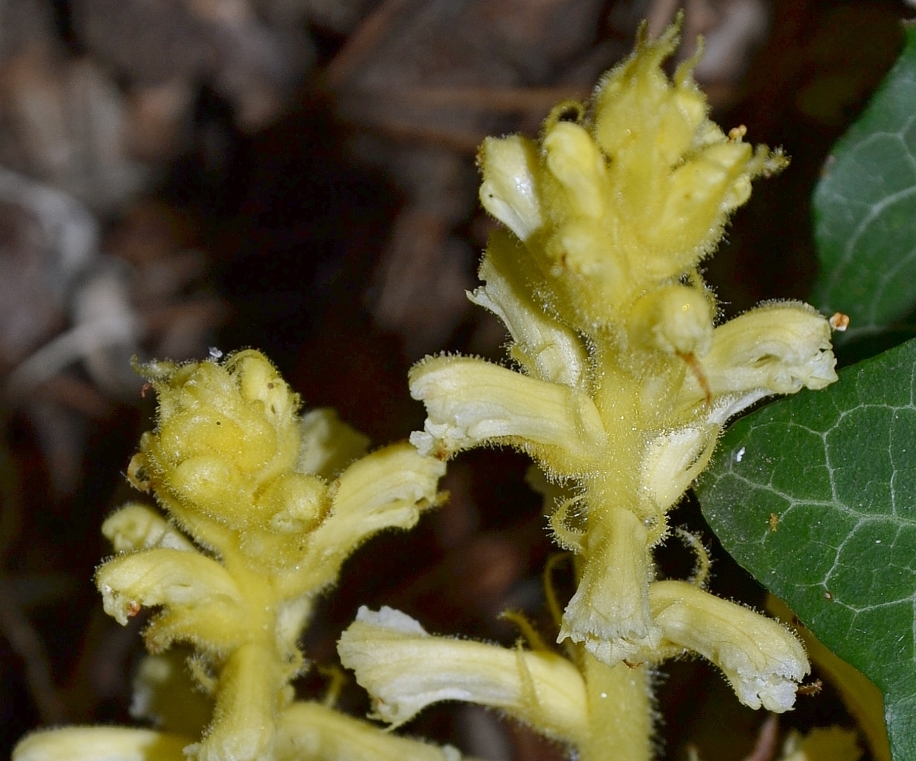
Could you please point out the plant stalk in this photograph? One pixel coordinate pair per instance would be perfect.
(620, 712)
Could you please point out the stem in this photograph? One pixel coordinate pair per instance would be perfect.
(619, 697)
(250, 697)
(620, 712)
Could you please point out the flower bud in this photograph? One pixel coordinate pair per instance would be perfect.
(509, 189)
(94, 743)
(575, 162)
(225, 432)
(674, 319)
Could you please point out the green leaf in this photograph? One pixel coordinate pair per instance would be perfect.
(865, 209)
(816, 497)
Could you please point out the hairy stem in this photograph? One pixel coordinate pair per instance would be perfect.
(620, 712)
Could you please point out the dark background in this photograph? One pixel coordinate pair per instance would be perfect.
(304, 183)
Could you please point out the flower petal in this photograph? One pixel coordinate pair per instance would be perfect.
(781, 347)
(391, 655)
(509, 188)
(388, 488)
(674, 459)
(546, 348)
(470, 402)
(609, 612)
(328, 444)
(760, 657)
(101, 744)
(173, 578)
(138, 527)
(314, 731)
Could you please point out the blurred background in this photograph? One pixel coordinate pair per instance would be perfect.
(299, 176)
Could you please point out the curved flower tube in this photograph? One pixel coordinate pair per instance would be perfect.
(101, 744)
(311, 730)
(390, 653)
(761, 659)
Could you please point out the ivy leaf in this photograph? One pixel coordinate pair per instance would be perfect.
(865, 209)
(816, 497)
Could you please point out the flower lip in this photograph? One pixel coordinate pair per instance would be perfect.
(761, 659)
(781, 346)
(391, 652)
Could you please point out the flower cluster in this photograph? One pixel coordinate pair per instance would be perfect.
(622, 382)
(263, 506)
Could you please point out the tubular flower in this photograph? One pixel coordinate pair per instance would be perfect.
(262, 507)
(390, 653)
(623, 380)
(761, 659)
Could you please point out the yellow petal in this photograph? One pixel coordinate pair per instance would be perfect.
(781, 347)
(509, 188)
(470, 402)
(374, 491)
(388, 488)
(546, 348)
(138, 527)
(761, 659)
(313, 731)
(391, 655)
(172, 578)
(328, 444)
(674, 459)
(101, 744)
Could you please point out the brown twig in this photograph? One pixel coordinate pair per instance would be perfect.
(461, 141)
(507, 100)
(25, 641)
(363, 42)
(765, 747)
(14, 626)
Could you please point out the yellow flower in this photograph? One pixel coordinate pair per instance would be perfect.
(391, 655)
(223, 459)
(623, 380)
(263, 507)
(626, 197)
(761, 659)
